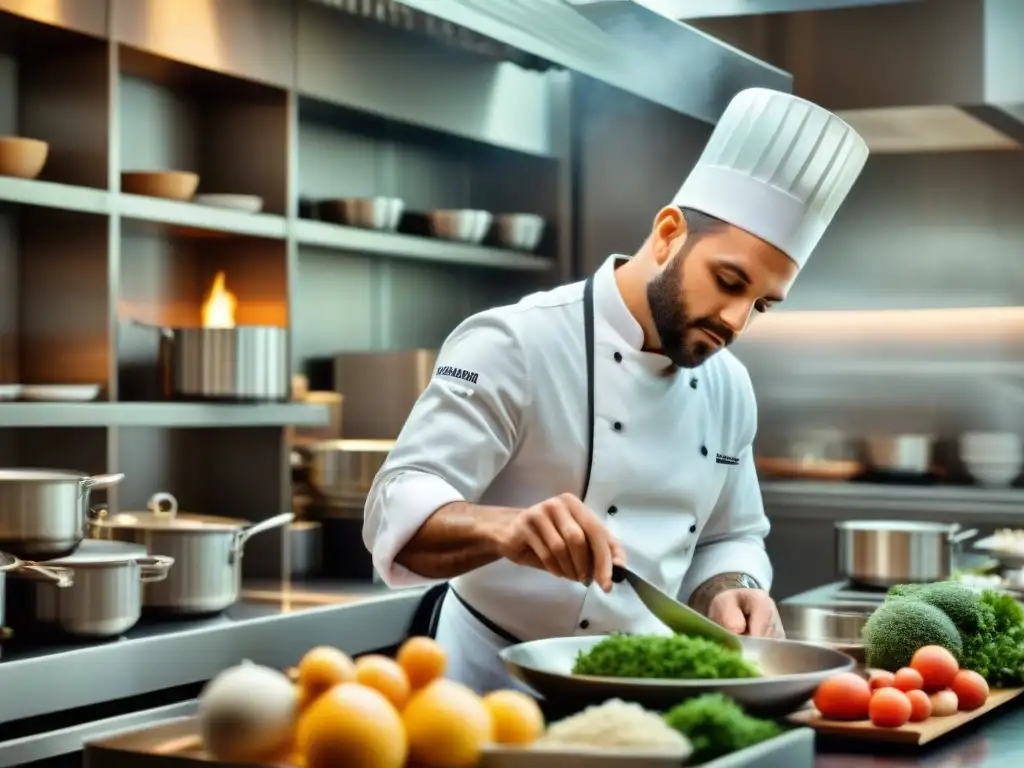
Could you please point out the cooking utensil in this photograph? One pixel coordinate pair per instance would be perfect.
(172, 185)
(911, 454)
(21, 157)
(381, 213)
(342, 471)
(209, 548)
(681, 619)
(881, 553)
(792, 672)
(468, 226)
(94, 593)
(242, 203)
(521, 231)
(43, 511)
(837, 627)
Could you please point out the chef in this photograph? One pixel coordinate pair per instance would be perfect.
(605, 422)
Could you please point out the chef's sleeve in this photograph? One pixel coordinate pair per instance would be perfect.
(732, 540)
(458, 437)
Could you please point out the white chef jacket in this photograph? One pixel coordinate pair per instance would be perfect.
(504, 422)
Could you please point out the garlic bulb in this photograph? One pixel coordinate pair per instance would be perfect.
(247, 714)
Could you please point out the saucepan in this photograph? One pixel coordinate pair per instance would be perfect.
(882, 553)
(792, 672)
(43, 511)
(209, 549)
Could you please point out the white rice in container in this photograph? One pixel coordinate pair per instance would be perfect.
(617, 724)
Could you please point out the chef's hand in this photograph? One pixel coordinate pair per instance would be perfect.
(563, 537)
(746, 612)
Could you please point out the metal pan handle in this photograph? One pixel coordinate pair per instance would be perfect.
(245, 534)
(154, 568)
(962, 536)
(98, 482)
(62, 578)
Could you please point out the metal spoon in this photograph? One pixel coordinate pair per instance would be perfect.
(681, 619)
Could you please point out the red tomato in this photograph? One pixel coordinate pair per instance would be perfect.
(936, 665)
(843, 697)
(920, 706)
(889, 708)
(908, 679)
(881, 679)
(970, 688)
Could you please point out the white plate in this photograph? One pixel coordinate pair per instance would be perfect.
(10, 391)
(244, 203)
(76, 393)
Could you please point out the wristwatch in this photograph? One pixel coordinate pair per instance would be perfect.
(748, 582)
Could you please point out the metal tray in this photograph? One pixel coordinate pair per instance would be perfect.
(175, 744)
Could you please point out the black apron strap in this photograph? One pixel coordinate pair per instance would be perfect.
(501, 632)
(424, 620)
(588, 333)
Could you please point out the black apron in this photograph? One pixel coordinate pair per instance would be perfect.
(428, 613)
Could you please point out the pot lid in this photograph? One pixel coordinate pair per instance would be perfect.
(99, 552)
(909, 526)
(163, 515)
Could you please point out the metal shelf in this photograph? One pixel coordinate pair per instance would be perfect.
(155, 209)
(52, 195)
(319, 234)
(161, 415)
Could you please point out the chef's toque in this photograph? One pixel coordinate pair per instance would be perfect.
(778, 167)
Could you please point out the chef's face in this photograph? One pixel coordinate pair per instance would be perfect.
(713, 279)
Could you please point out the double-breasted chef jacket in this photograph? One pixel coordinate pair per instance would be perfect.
(504, 421)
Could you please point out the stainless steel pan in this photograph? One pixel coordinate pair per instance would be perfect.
(881, 553)
(837, 627)
(43, 512)
(792, 672)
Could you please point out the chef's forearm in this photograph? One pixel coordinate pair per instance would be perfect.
(458, 538)
(701, 598)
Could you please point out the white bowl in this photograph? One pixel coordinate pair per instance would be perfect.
(520, 231)
(993, 473)
(383, 213)
(468, 226)
(243, 203)
(991, 446)
(68, 393)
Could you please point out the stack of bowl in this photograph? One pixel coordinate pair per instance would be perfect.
(992, 458)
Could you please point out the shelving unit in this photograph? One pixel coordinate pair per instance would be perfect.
(284, 99)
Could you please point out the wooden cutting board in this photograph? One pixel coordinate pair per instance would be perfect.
(911, 733)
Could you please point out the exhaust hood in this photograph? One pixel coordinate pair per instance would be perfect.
(619, 42)
(925, 76)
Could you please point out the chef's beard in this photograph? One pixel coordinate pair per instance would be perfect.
(672, 320)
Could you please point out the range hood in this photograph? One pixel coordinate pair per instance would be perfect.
(918, 76)
(619, 42)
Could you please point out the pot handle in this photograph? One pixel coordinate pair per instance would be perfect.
(265, 525)
(163, 505)
(167, 333)
(62, 578)
(154, 568)
(962, 536)
(99, 482)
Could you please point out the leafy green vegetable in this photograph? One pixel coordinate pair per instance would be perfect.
(961, 603)
(900, 626)
(669, 657)
(997, 652)
(716, 726)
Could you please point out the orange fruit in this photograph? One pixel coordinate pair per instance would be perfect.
(447, 725)
(384, 676)
(423, 660)
(517, 717)
(323, 668)
(352, 725)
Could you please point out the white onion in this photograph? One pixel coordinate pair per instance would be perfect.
(247, 714)
(944, 703)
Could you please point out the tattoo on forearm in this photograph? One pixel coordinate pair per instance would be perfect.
(701, 598)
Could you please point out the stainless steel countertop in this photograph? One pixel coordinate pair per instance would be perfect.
(274, 625)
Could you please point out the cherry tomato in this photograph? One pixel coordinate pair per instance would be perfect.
(889, 708)
(908, 679)
(843, 697)
(920, 706)
(970, 688)
(936, 665)
(881, 679)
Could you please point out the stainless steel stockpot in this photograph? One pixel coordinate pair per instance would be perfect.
(43, 512)
(343, 470)
(94, 593)
(881, 553)
(208, 548)
(245, 363)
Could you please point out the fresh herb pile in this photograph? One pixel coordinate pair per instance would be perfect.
(668, 657)
(716, 726)
(985, 631)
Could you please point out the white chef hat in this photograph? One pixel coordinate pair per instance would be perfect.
(778, 167)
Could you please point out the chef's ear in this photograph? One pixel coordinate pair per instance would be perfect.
(669, 226)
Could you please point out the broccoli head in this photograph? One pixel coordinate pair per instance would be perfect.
(961, 603)
(900, 626)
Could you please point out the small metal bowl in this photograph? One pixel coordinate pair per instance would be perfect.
(836, 627)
